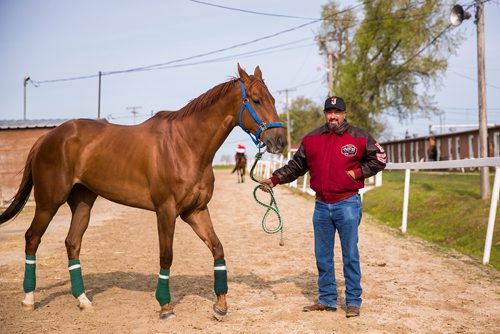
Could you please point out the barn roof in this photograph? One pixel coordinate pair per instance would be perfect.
(30, 123)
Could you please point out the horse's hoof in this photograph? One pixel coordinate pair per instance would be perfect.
(219, 313)
(86, 307)
(167, 315)
(28, 307)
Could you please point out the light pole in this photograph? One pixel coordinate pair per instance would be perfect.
(99, 98)
(458, 14)
(25, 82)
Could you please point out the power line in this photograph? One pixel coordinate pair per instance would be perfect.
(165, 64)
(149, 67)
(310, 18)
(250, 53)
(467, 108)
(472, 79)
(169, 64)
(254, 12)
(278, 33)
(229, 57)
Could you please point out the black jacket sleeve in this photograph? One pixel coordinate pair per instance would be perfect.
(296, 167)
(375, 158)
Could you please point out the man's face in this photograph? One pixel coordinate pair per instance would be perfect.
(334, 117)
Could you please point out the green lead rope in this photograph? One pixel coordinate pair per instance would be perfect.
(272, 206)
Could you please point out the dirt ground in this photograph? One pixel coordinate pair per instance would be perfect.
(409, 285)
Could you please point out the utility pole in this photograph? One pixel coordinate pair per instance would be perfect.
(288, 136)
(25, 82)
(458, 15)
(134, 111)
(330, 72)
(481, 89)
(99, 98)
(332, 58)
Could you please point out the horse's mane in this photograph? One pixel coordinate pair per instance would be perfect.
(203, 101)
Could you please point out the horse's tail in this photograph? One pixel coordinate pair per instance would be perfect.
(235, 168)
(21, 197)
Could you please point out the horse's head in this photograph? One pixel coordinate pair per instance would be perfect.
(258, 114)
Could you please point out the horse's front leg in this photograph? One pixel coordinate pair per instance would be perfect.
(166, 227)
(202, 225)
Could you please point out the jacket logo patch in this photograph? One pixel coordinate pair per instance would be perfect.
(381, 157)
(379, 147)
(349, 150)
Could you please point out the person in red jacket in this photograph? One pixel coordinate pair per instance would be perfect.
(338, 157)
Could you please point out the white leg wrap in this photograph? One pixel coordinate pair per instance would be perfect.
(85, 303)
(29, 300)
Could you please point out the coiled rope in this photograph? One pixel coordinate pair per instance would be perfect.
(272, 206)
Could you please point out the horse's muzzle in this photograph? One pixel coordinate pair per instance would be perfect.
(275, 140)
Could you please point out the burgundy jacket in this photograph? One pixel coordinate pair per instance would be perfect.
(328, 155)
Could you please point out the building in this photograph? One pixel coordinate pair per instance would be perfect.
(16, 139)
(448, 146)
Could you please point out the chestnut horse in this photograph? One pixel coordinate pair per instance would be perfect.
(163, 165)
(240, 166)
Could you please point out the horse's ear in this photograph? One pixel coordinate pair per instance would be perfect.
(242, 73)
(258, 72)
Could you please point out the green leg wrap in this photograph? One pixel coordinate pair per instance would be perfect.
(162, 289)
(29, 283)
(220, 277)
(75, 273)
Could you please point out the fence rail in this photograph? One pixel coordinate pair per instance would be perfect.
(265, 168)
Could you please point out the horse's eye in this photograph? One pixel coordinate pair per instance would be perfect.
(256, 101)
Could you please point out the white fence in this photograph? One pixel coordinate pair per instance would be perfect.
(265, 168)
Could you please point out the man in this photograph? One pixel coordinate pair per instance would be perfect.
(339, 157)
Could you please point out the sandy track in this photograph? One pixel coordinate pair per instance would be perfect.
(409, 286)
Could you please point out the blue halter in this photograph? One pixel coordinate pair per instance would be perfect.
(262, 126)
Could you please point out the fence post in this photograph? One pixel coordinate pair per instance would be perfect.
(304, 185)
(378, 179)
(405, 200)
(491, 219)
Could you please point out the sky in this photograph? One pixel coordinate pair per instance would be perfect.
(200, 46)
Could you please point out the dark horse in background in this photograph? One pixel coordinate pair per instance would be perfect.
(240, 166)
(163, 165)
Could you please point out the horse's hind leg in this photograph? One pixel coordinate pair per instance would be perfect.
(49, 197)
(80, 202)
(201, 223)
(33, 237)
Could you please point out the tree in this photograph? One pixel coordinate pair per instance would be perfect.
(305, 115)
(335, 38)
(398, 51)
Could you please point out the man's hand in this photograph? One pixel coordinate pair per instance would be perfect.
(266, 185)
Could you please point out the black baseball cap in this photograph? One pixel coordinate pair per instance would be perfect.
(334, 102)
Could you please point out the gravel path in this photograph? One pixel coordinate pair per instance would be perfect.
(409, 285)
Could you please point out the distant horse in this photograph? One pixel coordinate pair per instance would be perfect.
(163, 165)
(240, 166)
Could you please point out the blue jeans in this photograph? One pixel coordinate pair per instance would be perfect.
(344, 217)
